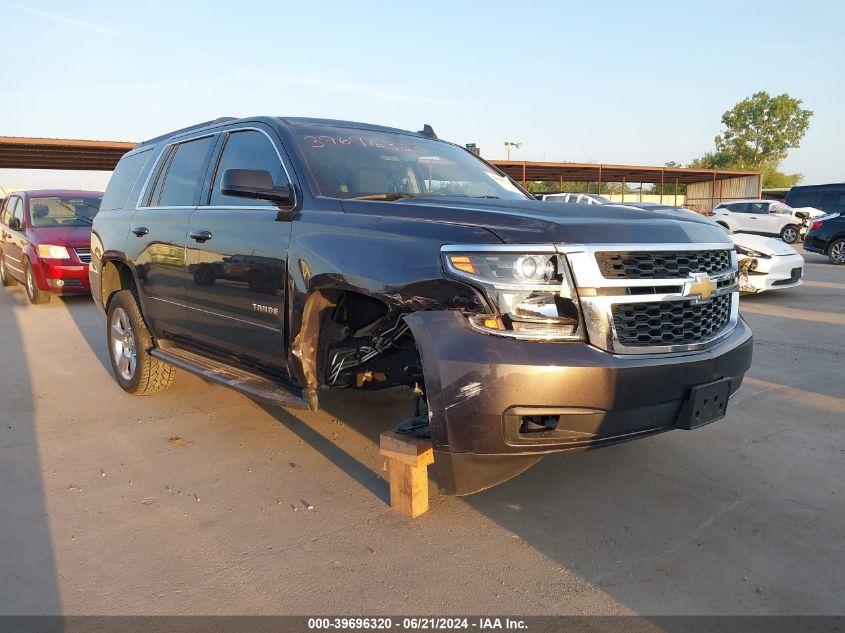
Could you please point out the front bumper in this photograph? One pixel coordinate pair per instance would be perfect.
(775, 273)
(62, 278)
(480, 387)
(815, 243)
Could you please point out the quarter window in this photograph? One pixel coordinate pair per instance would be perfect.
(247, 149)
(181, 178)
(123, 180)
(15, 209)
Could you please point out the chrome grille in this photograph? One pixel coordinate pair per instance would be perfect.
(662, 264)
(655, 299)
(84, 255)
(670, 322)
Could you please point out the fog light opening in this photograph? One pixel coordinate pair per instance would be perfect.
(56, 283)
(538, 423)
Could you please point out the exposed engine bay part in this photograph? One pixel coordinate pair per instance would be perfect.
(365, 344)
(746, 266)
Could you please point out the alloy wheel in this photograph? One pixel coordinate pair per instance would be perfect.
(2, 268)
(789, 235)
(124, 351)
(837, 252)
(30, 282)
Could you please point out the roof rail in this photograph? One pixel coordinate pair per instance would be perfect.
(222, 119)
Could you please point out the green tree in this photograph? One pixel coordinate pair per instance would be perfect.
(774, 179)
(760, 130)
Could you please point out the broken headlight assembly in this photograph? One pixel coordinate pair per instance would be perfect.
(530, 289)
(750, 252)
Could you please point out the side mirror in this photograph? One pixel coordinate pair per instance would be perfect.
(15, 224)
(256, 184)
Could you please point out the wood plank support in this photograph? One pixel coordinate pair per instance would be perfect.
(408, 459)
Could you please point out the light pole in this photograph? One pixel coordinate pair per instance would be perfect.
(509, 145)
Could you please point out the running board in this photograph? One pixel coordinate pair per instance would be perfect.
(253, 385)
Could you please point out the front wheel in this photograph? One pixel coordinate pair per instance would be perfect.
(33, 292)
(130, 342)
(789, 233)
(5, 278)
(836, 252)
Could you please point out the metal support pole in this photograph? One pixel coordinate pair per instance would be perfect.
(598, 190)
(676, 192)
(662, 173)
(623, 188)
(713, 192)
(561, 183)
(523, 174)
(641, 191)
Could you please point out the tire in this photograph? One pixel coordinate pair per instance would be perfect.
(33, 292)
(789, 233)
(130, 342)
(204, 276)
(836, 252)
(5, 277)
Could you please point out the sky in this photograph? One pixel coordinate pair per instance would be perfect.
(613, 82)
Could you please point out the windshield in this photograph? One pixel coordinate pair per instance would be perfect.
(780, 207)
(63, 211)
(355, 163)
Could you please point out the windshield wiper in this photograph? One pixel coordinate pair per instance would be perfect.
(490, 197)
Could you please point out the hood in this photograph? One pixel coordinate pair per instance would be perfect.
(765, 245)
(73, 236)
(536, 221)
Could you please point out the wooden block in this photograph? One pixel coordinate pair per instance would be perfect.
(413, 451)
(407, 462)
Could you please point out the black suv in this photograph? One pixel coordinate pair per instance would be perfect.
(287, 256)
(827, 236)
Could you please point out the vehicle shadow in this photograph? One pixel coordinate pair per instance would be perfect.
(28, 575)
(92, 330)
(356, 453)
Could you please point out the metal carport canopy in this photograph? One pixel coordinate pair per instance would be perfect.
(56, 153)
(51, 153)
(527, 171)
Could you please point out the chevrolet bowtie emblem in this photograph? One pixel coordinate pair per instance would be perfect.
(701, 286)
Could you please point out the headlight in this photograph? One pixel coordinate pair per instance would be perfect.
(742, 250)
(49, 251)
(532, 292)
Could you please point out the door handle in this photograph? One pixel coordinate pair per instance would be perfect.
(200, 236)
(140, 231)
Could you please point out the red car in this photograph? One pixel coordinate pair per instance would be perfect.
(45, 241)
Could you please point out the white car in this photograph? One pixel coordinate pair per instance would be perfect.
(759, 217)
(766, 264)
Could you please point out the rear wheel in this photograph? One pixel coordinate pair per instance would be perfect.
(5, 278)
(130, 342)
(789, 233)
(33, 292)
(836, 252)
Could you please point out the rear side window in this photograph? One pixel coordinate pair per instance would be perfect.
(247, 149)
(833, 202)
(799, 200)
(180, 180)
(123, 180)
